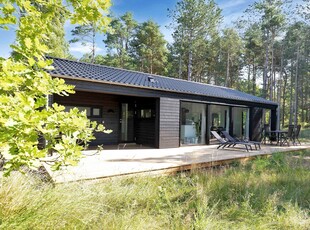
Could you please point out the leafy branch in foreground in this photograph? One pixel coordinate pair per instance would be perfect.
(25, 116)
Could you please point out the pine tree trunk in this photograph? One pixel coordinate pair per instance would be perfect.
(280, 86)
(249, 78)
(266, 64)
(227, 70)
(284, 99)
(254, 78)
(189, 68)
(272, 73)
(180, 66)
(296, 90)
(291, 98)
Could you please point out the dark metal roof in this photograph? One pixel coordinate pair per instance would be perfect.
(119, 76)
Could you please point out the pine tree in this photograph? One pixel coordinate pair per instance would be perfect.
(195, 23)
(149, 48)
(119, 41)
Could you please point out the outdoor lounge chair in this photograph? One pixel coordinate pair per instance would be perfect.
(255, 143)
(234, 142)
(223, 143)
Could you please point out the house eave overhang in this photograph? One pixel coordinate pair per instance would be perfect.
(271, 105)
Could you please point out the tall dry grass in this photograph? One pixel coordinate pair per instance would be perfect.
(267, 193)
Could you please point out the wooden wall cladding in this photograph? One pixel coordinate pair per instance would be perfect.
(110, 112)
(255, 123)
(169, 123)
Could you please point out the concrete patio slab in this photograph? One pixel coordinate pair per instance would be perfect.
(109, 163)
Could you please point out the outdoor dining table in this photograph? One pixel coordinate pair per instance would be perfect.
(280, 134)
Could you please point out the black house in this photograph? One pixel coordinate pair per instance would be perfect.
(159, 111)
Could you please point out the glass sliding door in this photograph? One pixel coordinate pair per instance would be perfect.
(127, 123)
(193, 123)
(219, 118)
(240, 118)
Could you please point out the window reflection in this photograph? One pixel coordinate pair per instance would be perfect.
(193, 123)
(219, 118)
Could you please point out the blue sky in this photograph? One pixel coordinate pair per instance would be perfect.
(142, 10)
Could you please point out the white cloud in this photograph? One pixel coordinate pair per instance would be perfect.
(231, 4)
(230, 18)
(79, 48)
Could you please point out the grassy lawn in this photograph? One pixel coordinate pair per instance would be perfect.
(271, 193)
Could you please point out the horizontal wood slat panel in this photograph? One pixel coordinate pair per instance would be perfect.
(169, 123)
(110, 112)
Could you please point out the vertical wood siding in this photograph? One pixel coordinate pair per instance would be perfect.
(255, 121)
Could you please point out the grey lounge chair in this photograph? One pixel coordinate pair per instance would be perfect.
(237, 142)
(223, 143)
(255, 143)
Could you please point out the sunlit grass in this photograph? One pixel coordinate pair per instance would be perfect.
(267, 193)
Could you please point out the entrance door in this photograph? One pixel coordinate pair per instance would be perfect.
(127, 123)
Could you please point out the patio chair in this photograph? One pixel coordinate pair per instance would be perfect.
(286, 138)
(223, 142)
(266, 133)
(236, 142)
(296, 134)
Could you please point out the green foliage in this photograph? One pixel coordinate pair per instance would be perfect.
(149, 48)
(305, 134)
(272, 16)
(25, 86)
(195, 24)
(56, 43)
(253, 40)
(231, 49)
(241, 197)
(86, 34)
(119, 40)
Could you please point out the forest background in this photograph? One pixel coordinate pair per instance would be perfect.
(264, 52)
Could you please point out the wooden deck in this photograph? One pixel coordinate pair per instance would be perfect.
(111, 163)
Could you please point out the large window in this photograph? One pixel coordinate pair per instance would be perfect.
(193, 123)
